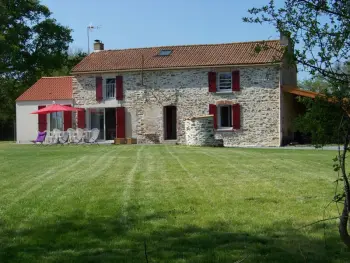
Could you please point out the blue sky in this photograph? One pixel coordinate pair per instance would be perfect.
(145, 23)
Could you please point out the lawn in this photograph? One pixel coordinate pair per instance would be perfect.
(103, 204)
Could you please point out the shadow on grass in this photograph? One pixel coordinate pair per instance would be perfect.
(80, 238)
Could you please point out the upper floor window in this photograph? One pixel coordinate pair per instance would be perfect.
(109, 88)
(224, 81)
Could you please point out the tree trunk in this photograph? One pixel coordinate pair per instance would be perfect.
(343, 225)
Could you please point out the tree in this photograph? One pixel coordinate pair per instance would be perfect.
(74, 57)
(321, 120)
(32, 44)
(320, 32)
(317, 83)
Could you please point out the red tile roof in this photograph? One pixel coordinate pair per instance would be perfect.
(49, 88)
(190, 56)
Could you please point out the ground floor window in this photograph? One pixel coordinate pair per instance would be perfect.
(225, 116)
(56, 120)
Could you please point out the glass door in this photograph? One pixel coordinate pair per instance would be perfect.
(56, 120)
(97, 120)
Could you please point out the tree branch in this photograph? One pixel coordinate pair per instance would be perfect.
(319, 221)
(327, 10)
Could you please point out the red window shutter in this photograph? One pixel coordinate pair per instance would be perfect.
(236, 81)
(119, 88)
(236, 116)
(81, 119)
(212, 81)
(120, 121)
(67, 119)
(99, 95)
(212, 111)
(42, 120)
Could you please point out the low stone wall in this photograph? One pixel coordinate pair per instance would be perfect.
(199, 131)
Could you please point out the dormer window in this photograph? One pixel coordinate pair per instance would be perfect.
(165, 52)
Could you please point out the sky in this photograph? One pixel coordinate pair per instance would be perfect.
(146, 23)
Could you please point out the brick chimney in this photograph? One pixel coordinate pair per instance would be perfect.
(98, 46)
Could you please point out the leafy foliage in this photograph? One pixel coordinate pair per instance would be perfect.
(74, 57)
(320, 33)
(32, 45)
(316, 83)
(320, 28)
(321, 120)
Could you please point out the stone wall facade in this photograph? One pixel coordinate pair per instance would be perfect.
(146, 95)
(199, 131)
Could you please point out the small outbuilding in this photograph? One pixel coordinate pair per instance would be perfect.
(45, 91)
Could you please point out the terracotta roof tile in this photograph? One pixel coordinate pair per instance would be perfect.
(49, 88)
(241, 53)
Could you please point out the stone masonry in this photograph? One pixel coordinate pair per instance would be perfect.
(145, 99)
(199, 131)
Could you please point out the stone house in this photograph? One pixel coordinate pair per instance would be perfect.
(149, 93)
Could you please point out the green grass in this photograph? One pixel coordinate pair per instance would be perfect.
(101, 204)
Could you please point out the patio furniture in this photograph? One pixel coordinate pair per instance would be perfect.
(87, 135)
(78, 136)
(55, 136)
(51, 138)
(63, 139)
(40, 138)
(71, 133)
(75, 136)
(94, 136)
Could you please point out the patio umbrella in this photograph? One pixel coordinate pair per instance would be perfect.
(55, 108)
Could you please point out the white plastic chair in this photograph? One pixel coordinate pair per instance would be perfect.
(94, 136)
(71, 134)
(54, 136)
(79, 137)
(49, 137)
(63, 139)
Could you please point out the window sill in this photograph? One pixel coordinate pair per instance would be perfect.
(224, 92)
(225, 130)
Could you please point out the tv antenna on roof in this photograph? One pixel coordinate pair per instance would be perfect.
(89, 29)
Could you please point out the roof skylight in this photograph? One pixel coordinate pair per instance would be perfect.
(165, 52)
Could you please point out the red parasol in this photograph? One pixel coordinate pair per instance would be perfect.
(55, 108)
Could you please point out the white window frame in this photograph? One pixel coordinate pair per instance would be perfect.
(218, 110)
(219, 89)
(104, 89)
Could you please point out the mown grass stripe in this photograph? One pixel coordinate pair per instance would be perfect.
(129, 184)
